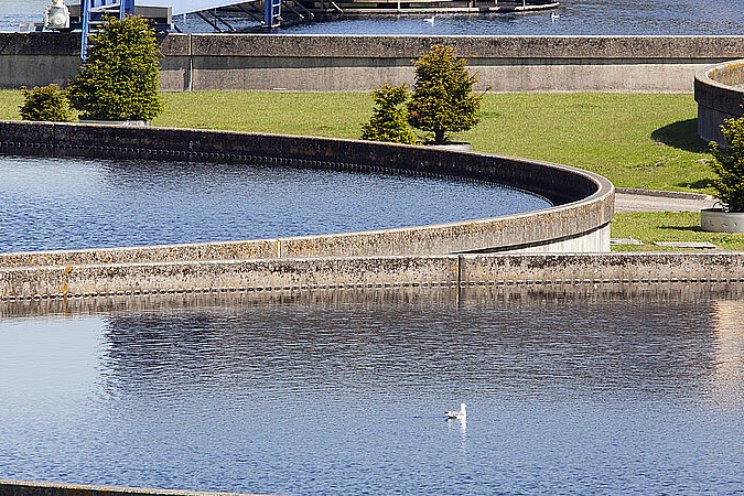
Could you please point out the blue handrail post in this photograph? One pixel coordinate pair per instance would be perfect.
(85, 9)
(272, 13)
(126, 8)
(267, 13)
(94, 10)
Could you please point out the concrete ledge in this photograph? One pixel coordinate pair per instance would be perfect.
(299, 276)
(579, 221)
(679, 48)
(719, 92)
(26, 488)
(360, 63)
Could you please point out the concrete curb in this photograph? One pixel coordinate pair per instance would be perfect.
(664, 194)
(297, 276)
(28, 488)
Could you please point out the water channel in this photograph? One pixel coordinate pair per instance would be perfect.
(590, 17)
(582, 394)
(50, 203)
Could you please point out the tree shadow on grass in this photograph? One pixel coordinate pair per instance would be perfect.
(703, 184)
(681, 135)
(683, 228)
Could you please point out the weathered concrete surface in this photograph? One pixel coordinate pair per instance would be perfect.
(37, 59)
(639, 202)
(367, 273)
(360, 63)
(605, 269)
(237, 275)
(719, 92)
(26, 488)
(583, 201)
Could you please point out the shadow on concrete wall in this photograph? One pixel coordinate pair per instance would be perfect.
(681, 135)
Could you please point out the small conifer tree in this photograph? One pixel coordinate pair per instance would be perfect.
(121, 76)
(45, 103)
(728, 164)
(443, 99)
(389, 118)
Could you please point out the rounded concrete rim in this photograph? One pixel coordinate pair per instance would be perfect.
(704, 78)
(588, 209)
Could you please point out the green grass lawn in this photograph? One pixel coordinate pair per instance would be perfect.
(667, 226)
(639, 141)
(9, 102)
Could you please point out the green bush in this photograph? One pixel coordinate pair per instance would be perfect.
(443, 99)
(46, 103)
(389, 120)
(728, 164)
(121, 76)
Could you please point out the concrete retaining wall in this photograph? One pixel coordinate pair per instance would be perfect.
(344, 274)
(579, 221)
(360, 63)
(24, 488)
(719, 92)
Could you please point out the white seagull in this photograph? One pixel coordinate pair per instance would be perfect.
(554, 17)
(460, 414)
(430, 20)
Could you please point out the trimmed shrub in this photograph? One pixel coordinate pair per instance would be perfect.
(389, 119)
(443, 99)
(121, 76)
(45, 103)
(728, 164)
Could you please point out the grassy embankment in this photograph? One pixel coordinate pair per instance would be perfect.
(640, 141)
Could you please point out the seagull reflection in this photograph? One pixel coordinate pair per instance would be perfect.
(461, 425)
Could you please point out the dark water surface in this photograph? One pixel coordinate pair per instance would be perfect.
(577, 17)
(565, 396)
(65, 203)
(595, 17)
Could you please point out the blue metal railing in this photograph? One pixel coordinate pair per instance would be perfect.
(272, 13)
(94, 10)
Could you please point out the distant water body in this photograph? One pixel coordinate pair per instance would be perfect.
(577, 17)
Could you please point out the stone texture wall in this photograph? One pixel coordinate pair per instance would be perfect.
(719, 92)
(360, 63)
(584, 202)
(23, 488)
(300, 276)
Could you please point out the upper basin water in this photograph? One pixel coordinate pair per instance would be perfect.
(67, 204)
(600, 17)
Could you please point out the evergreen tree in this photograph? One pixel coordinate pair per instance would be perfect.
(443, 99)
(728, 164)
(45, 103)
(389, 119)
(121, 76)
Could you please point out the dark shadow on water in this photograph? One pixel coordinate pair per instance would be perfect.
(682, 135)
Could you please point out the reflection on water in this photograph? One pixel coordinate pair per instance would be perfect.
(729, 349)
(49, 203)
(345, 396)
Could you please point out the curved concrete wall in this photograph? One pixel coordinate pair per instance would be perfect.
(27, 488)
(578, 223)
(361, 63)
(719, 92)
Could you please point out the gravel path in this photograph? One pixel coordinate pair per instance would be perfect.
(658, 202)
